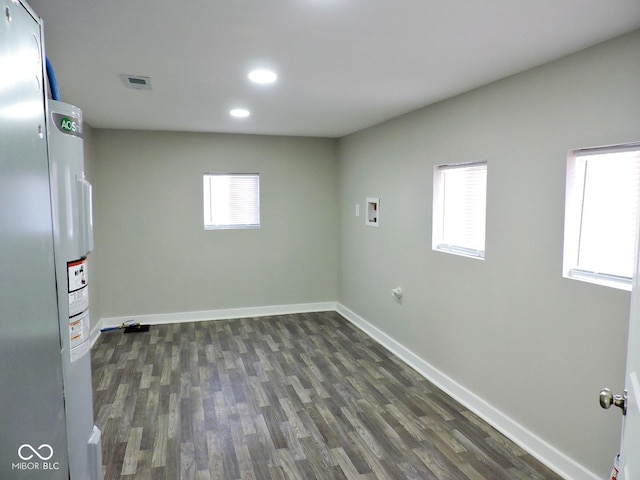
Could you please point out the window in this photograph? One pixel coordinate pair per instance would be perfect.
(459, 208)
(601, 214)
(231, 200)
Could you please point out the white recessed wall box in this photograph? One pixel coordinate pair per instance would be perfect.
(373, 212)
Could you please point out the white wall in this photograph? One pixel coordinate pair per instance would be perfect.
(155, 256)
(510, 329)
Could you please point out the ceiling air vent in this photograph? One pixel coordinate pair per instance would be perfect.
(136, 82)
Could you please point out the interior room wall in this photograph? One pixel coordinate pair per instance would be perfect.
(155, 256)
(510, 329)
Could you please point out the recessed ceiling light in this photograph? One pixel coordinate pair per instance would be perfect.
(240, 113)
(262, 76)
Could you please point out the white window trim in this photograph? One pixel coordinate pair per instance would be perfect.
(573, 205)
(438, 215)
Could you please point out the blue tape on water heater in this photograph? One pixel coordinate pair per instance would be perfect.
(53, 83)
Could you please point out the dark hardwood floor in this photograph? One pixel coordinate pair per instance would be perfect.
(286, 397)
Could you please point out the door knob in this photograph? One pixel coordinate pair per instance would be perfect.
(607, 399)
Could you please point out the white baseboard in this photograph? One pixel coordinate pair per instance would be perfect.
(95, 332)
(527, 440)
(203, 315)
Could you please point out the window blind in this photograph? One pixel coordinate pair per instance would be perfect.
(463, 192)
(608, 219)
(231, 201)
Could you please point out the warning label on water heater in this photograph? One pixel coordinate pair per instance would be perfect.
(79, 325)
(78, 301)
(79, 336)
(77, 273)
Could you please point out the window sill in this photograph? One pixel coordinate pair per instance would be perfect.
(460, 251)
(610, 281)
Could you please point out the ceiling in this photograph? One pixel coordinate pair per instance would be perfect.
(343, 65)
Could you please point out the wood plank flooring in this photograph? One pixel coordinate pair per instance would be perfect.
(305, 396)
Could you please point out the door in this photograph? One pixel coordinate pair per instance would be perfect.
(629, 401)
(630, 440)
(32, 417)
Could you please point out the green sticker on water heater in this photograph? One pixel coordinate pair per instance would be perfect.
(68, 124)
